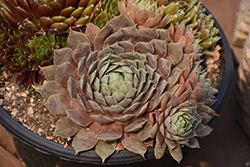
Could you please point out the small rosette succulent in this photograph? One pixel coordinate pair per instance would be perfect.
(183, 115)
(144, 13)
(23, 56)
(111, 84)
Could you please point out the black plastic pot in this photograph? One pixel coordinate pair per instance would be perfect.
(37, 151)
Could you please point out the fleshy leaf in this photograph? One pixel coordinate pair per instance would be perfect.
(49, 72)
(79, 116)
(64, 55)
(134, 125)
(176, 153)
(65, 71)
(66, 128)
(205, 131)
(132, 143)
(145, 133)
(50, 88)
(110, 132)
(105, 149)
(101, 119)
(82, 142)
(58, 104)
(159, 151)
(75, 38)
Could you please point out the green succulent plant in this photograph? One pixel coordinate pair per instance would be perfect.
(111, 84)
(23, 57)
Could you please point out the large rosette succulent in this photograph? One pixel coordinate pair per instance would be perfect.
(111, 85)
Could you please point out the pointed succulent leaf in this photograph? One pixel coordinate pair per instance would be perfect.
(66, 128)
(110, 132)
(101, 119)
(81, 141)
(79, 116)
(129, 140)
(58, 104)
(159, 151)
(105, 149)
(49, 72)
(50, 88)
(176, 153)
(134, 125)
(75, 38)
(145, 132)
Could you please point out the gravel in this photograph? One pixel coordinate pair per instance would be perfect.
(27, 106)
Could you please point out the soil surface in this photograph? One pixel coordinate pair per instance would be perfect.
(27, 106)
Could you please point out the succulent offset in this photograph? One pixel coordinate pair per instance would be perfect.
(126, 84)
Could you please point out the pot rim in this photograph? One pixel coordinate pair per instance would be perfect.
(123, 157)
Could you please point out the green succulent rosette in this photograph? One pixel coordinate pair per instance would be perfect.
(110, 87)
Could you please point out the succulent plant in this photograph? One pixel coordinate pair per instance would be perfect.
(184, 115)
(144, 13)
(193, 13)
(23, 56)
(55, 16)
(104, 12)
(110, 84)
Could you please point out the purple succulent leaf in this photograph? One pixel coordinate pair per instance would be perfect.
(64, 72)
(73, 87)
(193, 143)
(175, 53)
(147, 35)
(145, 133)
(125, 118)
(105, 149)
(142, 110)
(208, 110)
(101, 36)
(144, 47)
(49, 72)
(119, 22)
(75, 38)
(82, 50)
(110, 132)
(160, 48)
(66, 128)
(205, 131)
(91, 32)
(134, 124)
(79, 116)
(64, 55)
(132, 143)
(102, 119)
(130, 33)
(58, 104)
(159, 151)
(127, 46)
(184, 96)
(117, 36)
(170, 143)
(82, 142)
(164, 67)
(50, 88)
(176, 153)
(174, 76)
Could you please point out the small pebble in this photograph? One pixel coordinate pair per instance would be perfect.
(30, 110)
(23, 94)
